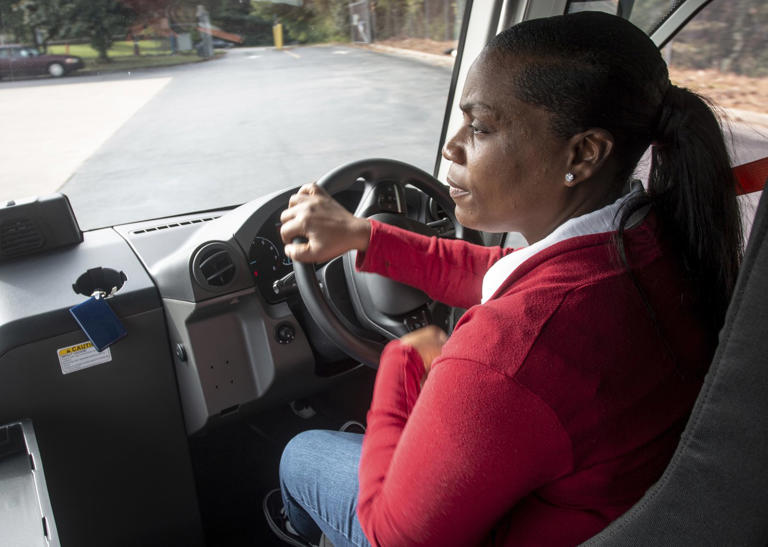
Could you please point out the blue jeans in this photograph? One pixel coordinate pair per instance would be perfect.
(318, 479)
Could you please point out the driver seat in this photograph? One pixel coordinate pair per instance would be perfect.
(715, 489)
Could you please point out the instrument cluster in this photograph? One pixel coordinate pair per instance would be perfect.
(271, 270)
(267, 260)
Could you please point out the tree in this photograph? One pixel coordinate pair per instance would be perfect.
(435, 19)
(313, 21)
(101, 21)
(12, 21)
(728, 36)
(46, 19)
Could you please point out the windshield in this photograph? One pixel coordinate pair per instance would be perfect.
(143, 109)
(236, 116)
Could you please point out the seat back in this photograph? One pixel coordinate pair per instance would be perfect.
(715, 489)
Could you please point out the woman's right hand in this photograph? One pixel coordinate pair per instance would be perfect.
(329, 228)
(428, 342)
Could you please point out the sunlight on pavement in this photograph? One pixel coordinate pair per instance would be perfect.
(50, 130)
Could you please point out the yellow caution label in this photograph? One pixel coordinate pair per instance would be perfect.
(80, 356)
(73, 349)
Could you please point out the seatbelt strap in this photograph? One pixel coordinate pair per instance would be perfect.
(751, 177)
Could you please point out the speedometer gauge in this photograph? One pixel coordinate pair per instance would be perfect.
(267, 264)
(263, 257)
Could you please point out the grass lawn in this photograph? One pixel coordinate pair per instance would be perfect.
(152, 53)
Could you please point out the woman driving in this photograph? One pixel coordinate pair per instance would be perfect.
(560, 396)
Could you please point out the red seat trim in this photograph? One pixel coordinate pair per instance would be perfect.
(751, 177)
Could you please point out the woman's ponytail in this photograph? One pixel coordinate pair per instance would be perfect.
(693, 191)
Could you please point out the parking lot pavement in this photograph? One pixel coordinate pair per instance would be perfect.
(49, 130)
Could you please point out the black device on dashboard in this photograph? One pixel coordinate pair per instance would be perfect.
(35, 225)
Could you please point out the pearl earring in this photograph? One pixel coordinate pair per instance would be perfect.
(569, 177)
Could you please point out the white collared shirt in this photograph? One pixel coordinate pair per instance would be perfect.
(596, 222)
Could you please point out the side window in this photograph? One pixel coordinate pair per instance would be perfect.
(722, 54)
(4, 53)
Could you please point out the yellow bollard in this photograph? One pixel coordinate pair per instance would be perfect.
(277, 34)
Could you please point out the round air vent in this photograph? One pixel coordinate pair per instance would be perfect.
(213, 266)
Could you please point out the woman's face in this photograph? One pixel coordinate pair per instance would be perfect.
(508, 168)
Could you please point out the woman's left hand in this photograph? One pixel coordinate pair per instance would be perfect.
(429, 342)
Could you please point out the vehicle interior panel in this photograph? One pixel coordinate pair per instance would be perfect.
(237, 343)
(114, 427)
(23, 480)
(37, 289)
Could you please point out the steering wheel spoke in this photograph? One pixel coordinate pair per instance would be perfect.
(333, 285)
(387, 196)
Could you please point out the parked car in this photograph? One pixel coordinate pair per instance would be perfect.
(18, 60)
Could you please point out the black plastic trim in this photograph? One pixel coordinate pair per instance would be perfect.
(682, 25)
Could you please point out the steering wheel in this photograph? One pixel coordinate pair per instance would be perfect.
(382, 306)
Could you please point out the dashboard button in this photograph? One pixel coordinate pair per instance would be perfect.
(285, 333)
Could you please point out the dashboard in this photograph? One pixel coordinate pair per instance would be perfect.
(238, 344)
(241, 336)
(209, 279)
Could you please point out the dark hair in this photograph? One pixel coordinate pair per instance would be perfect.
(593, 70)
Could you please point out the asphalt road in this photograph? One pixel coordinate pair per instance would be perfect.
(226, 131)
(50, 127)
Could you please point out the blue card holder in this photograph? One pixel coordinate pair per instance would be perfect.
(99, 322)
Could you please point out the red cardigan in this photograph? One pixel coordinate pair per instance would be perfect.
(552, 407)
